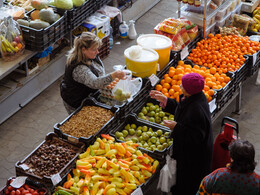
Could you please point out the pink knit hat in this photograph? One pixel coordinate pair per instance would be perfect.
(192, 83)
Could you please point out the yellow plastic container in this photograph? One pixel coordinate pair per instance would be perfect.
(160, 43)
(143, 66)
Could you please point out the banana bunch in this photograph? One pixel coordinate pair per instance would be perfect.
(256, 16)
(7, 46)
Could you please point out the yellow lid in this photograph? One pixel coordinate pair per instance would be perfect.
(146, 55)
(154, 41)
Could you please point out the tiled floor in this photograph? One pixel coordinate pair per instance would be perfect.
(26, 129)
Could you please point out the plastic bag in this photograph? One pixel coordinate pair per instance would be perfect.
(241, 23)
(168, 173)
(126, 89)
(11, 39)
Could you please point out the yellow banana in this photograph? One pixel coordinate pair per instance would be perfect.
(3, 47)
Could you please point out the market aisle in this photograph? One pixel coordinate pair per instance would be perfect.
(21, 133)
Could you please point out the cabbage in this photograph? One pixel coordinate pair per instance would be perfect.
(64, 4)
(78, 3)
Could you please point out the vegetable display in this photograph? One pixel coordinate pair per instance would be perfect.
(108, 167)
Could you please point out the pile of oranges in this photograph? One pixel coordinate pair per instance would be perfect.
(223, 53)
(170, 84)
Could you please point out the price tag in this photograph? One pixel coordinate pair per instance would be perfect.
(184, 53)
(55, 179)
(138, 191)
(158, 67)
(254, 58)
(24, 166)
(73, 139)
(154, 79)
(18, 182)
(212, 105)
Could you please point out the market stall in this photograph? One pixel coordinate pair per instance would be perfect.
(114, 144)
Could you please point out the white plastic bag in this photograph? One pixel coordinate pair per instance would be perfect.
(126, 89)
(167, 175)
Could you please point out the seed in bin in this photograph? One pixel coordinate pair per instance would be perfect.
(154, 114)
(145, 137)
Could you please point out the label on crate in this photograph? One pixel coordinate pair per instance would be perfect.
(55, 179)
(18, 182)
(254, 58)
(154, 79)
(24, 166)
(184, 53)
(212, 105)
(138, 191)
(73, 139)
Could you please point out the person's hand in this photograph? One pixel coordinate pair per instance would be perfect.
(158, 95)
(118, 74)
(170, 124)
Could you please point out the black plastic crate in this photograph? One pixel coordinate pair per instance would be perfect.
(224, 94)
(112, 123)
(241, 73)
(101, 3)
(39, 40)
(47, 180)
(190, 45)
(132, 119)
(104, 50)
(115, 25)
(77, 15)
(37, 186)
(138, 109)
(253, 63)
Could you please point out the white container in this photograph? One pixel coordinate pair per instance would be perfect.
(223, 10)
(224, 21)
(101, 23)
(210, 29)
(160, 43)
(132, 32)
(237, 9)
(123, 30)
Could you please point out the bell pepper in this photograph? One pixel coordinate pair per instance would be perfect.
(107, 147)
(95, 188)
(150, 158)
(101, 143)
(111, 152)
(120, 191)
(99, 152)
(131, 186)
(82, 163)
(107, 137)
(135, 168)
(92, 153)
(128, 153)
(80, 183)
(141, 179)
(127, 190)
(85, 154)
(85, 190)
(99, 177)
(87, 177)
(103, 171)
(104, 166)
(120, 148)
(109, 186)
(155, 165)
(146, 173)
(76, 190)
(100, 162)
(139, 153)
(128, 176)
(113, 165)
(124, 161)
(123, 165)
(100, 191)
(89, 166)
(95, 146)
(118, 184)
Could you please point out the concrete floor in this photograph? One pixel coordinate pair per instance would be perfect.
(26, 129)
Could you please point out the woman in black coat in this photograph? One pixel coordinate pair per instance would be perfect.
(191, 133)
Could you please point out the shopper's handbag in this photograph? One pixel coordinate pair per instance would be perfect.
(168, 175)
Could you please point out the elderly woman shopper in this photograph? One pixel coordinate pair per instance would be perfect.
(238, 177)
(191, 132)
(85, 72)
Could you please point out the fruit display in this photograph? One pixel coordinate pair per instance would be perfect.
(108, 167)
(153, 113)
(24, 189)
(11, 39)
(170, 84)
(87, 122)
(50, 158)
(26, 4)
(256, 17)
(148, 137)
(224, 53)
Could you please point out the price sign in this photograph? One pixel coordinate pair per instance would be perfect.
(24, 166)
(154, 79)
(254, 58)
(138, 191)
(18, 182)
(212, 105)
(55, 179)
(184, 53)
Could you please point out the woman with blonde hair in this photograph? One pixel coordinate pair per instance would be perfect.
(85, 72)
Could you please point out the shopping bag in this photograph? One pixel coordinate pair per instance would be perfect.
(168, 173)
(126, 89)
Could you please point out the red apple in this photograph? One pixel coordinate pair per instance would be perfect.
(17, 39)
